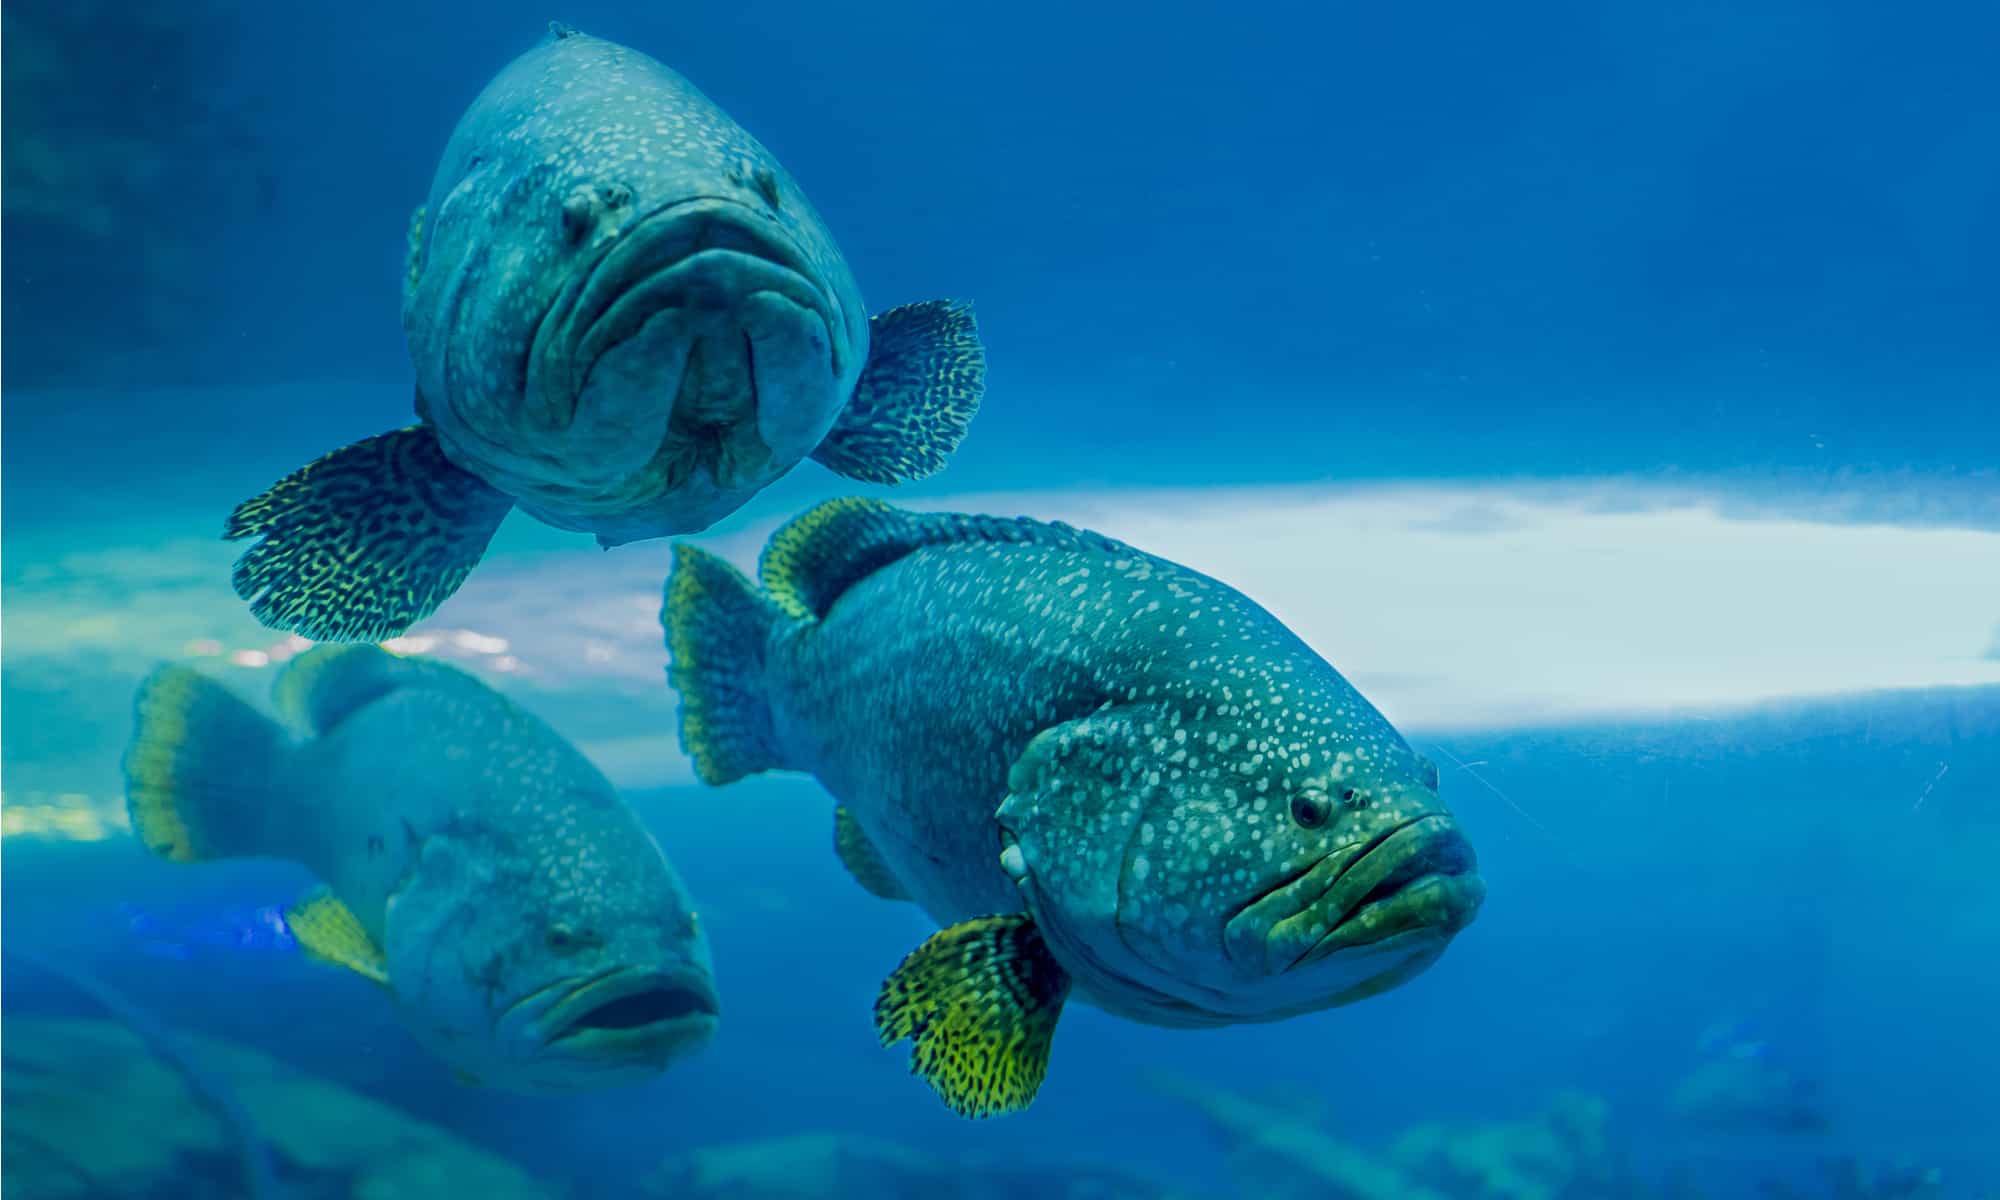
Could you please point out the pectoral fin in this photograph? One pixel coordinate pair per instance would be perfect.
(925, 377)
(328, 930)
(861, 859)
(979, 1001)
(365, 542)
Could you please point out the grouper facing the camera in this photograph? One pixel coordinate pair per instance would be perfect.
(474, 863)
(1103, 773)
(625, 319)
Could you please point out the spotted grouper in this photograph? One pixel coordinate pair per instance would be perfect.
(1102, 773)
(625, 319)
(474, 864)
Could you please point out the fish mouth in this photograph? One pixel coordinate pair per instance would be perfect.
(682, 348)
(1419, 877)
(630, 1013)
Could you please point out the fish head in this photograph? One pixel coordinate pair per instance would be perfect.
(1206, 865)
(623, 310)
(537, 966)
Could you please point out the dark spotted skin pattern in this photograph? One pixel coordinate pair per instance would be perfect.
(346, 558)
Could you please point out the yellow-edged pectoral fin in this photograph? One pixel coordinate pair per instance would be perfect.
(328, 930)
(979, 1001)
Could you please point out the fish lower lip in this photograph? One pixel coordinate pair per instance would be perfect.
(1434, 880)
(608, 302)
(633, 1007)
(660, 248)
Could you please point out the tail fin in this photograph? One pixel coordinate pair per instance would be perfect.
(202, 770)
(717, 625)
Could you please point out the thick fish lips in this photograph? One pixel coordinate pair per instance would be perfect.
(704, 338)
(1413, 884)
(632, 1015)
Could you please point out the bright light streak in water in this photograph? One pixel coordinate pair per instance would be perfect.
(63, 816)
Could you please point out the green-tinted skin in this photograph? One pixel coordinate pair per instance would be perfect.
(510, 887)
(1124, 748)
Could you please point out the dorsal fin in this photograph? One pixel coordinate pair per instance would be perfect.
(322, 687)
(831, 547)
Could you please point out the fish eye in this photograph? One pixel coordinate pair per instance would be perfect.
(1311, 809)
(564, 938)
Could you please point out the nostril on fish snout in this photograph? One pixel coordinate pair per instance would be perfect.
(579, 214)
(767, 184)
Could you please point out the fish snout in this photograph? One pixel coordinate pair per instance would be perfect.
(1416, 877)
(705, 339)
(632, 1015)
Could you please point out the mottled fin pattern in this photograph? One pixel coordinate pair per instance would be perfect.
(862, 859)
(328, 930)
(327, 684)
(833, 546)
(365, 542)
(202, 769)
(925, 377)
(979, 1001)
(716, 624)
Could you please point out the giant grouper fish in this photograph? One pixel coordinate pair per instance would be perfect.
(474, 863)
(1099, 771)
(625, 319)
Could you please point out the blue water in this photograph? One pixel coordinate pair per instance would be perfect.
(1432, 326)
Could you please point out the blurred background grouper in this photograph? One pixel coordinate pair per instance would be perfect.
(625, 319)
(475, 864)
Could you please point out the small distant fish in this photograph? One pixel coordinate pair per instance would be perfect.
(625, 319)
(474, 863)
(1741, 1085)
(1102, 772)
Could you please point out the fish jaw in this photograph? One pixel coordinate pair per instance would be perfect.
(1364, 918)
(616, 1025)
(700, 357)
(1360, 921)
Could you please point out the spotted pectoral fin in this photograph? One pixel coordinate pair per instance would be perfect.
(862, 859)
(328, 930)
(925, 377)
(365, 542)
(979, 1002)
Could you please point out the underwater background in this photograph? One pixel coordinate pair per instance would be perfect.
(1607, 390)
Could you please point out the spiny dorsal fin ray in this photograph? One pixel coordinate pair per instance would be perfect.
(979, 1002)
(832, 546)
(329, 930)
(862, 859)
